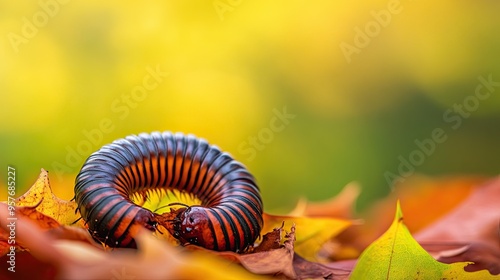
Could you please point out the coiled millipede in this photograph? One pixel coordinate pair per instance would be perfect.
(228, 219)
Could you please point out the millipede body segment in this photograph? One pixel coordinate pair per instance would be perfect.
(228, 219)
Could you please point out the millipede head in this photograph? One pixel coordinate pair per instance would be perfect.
(190, 226)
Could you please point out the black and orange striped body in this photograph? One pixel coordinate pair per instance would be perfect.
(228, 219)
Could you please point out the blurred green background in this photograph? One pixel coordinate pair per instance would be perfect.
(363, 81)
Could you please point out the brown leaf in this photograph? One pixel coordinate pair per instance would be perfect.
(345, 265)
(311, 270)
(277, 261)
(270, 241)
(484, 256)
(314, 232)
(281, 261)
(272, 262)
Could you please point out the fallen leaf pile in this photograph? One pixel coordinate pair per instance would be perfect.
(458, 239)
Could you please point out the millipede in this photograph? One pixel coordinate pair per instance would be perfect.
(229, 217)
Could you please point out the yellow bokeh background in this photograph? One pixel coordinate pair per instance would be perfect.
(68, 66)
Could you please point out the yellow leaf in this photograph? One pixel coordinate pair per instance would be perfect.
(311, 233)
(40, 193)
(396, 255)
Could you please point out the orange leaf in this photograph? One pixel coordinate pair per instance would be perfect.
(339, 206)
(424, 200)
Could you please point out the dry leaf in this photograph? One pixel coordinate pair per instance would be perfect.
(312, 233)
(483, 256)
(311, 270)
(282, 261)
(475, 219)
(40, 194)
(270, 241)
(472, 225)
(277, 261)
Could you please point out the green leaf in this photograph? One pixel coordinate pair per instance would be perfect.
(396, 255)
